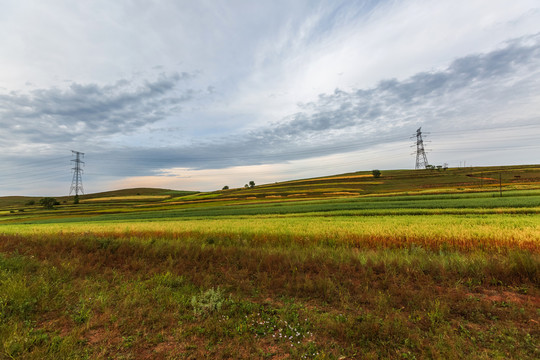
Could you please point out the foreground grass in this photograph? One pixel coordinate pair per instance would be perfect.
(154, 294)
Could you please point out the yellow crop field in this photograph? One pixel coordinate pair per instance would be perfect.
(464, 233)
(132, 197)
(332, 178)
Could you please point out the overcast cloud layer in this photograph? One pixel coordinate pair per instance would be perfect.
(196, 95)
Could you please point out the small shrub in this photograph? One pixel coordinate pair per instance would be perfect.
(376, 173)
(48, 202)
(208, 301)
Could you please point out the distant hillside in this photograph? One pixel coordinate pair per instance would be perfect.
(356, 184)
(364, 183)
(138, 192)
(7, 202)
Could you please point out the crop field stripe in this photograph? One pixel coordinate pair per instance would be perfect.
(524, 202)
(459, 232)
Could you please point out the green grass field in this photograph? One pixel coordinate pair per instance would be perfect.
(414, 265)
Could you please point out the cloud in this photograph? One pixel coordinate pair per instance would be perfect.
(266, 83)
(449, 98)
(355, 116)
(496, 85)
(90, 110)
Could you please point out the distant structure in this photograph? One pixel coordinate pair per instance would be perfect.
(76, 183)
(421, 158)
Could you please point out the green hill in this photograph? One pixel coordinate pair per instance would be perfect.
(390, 182)
(343, 192)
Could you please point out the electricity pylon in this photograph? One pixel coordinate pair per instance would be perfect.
(421, 158)
(76, 183)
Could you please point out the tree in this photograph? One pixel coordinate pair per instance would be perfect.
(76, 199)
(48, 202)
(252, 183)
(376, 173)
(226, 187)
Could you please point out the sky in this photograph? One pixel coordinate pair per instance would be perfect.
(196, 95)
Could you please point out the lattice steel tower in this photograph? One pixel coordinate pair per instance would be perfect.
(76, 183)
(421, 158)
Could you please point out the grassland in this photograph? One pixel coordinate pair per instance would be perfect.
(418, 265)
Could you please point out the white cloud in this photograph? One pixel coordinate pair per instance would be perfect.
(273, 69)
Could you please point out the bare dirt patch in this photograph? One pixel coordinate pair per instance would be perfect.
(508, 297)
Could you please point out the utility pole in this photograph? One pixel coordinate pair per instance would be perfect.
(76, 183)
(421, 158)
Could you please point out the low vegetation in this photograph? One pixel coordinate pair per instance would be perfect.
(439, 274)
